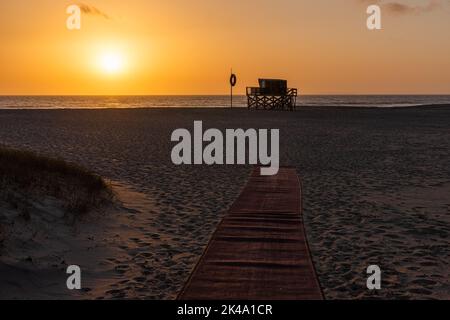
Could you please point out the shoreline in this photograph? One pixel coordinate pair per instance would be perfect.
(298, 108)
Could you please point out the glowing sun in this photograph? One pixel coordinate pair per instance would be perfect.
(112, 62)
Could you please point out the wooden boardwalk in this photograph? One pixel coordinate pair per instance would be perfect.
(259, 251)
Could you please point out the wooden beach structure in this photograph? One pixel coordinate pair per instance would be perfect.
(272, 94)
(259, 251)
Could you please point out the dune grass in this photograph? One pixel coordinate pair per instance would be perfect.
(27, 175)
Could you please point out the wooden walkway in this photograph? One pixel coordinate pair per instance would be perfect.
(259, 251)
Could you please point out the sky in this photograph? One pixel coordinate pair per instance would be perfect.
(149, 47)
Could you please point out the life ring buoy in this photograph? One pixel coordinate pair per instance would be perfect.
(233, 80)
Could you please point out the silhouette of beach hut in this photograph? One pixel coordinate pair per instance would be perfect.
(272, 94)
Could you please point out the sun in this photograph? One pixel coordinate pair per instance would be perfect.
(112, 62)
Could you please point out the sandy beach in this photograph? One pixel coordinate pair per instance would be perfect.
(376, 191)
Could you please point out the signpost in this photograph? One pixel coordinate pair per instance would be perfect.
(233, 81)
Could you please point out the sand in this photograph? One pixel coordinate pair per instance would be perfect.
(376, 191)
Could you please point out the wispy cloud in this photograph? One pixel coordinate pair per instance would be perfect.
(88, 9)
(399, 7)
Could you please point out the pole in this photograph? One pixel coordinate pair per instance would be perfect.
(231, 85)
(231, 97)
(233, 81)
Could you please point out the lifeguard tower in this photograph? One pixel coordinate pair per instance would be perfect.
(272, 94)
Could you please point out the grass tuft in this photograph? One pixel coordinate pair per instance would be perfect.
(31, 175)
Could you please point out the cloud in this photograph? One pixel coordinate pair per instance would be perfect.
(87, 9)
(402, 8)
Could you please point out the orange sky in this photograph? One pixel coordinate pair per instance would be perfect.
(188, 47)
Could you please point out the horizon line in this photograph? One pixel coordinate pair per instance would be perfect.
(218, 95)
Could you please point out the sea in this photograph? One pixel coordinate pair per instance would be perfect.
(99, 102)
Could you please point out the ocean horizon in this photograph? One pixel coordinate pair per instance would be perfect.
(212, 101)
